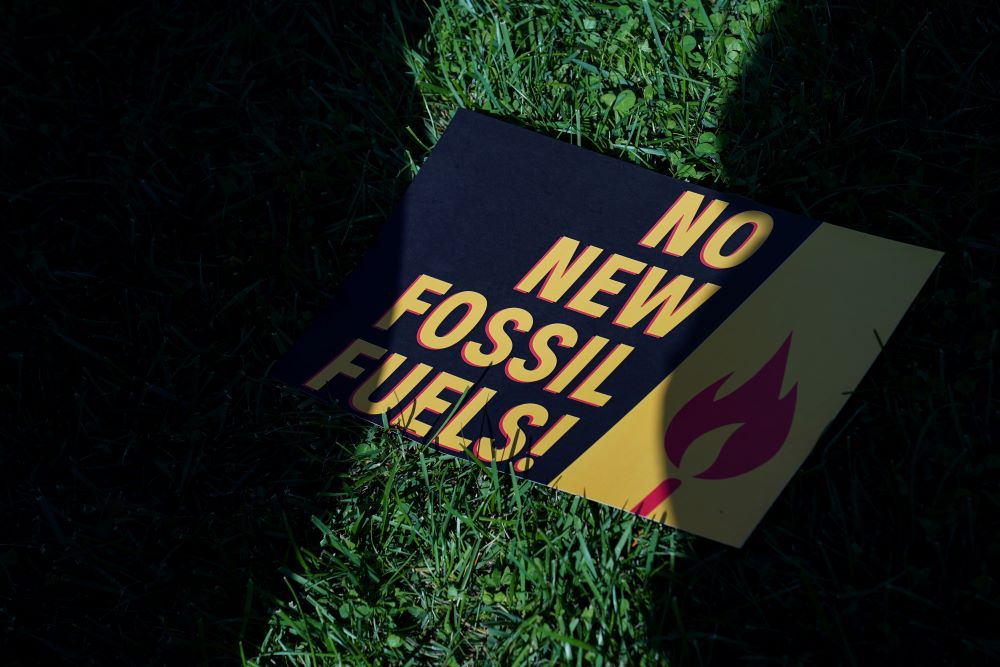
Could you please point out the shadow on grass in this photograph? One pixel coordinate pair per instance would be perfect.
(879, 117)
(182, 182)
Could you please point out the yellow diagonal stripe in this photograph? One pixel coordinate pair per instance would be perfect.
(834, 293)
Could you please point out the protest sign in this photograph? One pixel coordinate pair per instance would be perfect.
(606, 330)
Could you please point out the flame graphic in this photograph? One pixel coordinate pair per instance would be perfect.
(764, 419)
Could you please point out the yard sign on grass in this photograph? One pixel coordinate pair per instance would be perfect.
(608, 331)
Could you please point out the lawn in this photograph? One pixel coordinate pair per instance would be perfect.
(183, 188)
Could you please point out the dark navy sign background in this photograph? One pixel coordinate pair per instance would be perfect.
(487, 205)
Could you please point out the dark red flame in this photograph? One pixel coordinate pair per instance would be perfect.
(764, 419)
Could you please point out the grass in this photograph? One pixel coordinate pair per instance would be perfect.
(427, 561)
(188, 187)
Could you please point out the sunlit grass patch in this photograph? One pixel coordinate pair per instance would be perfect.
(434, 560)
